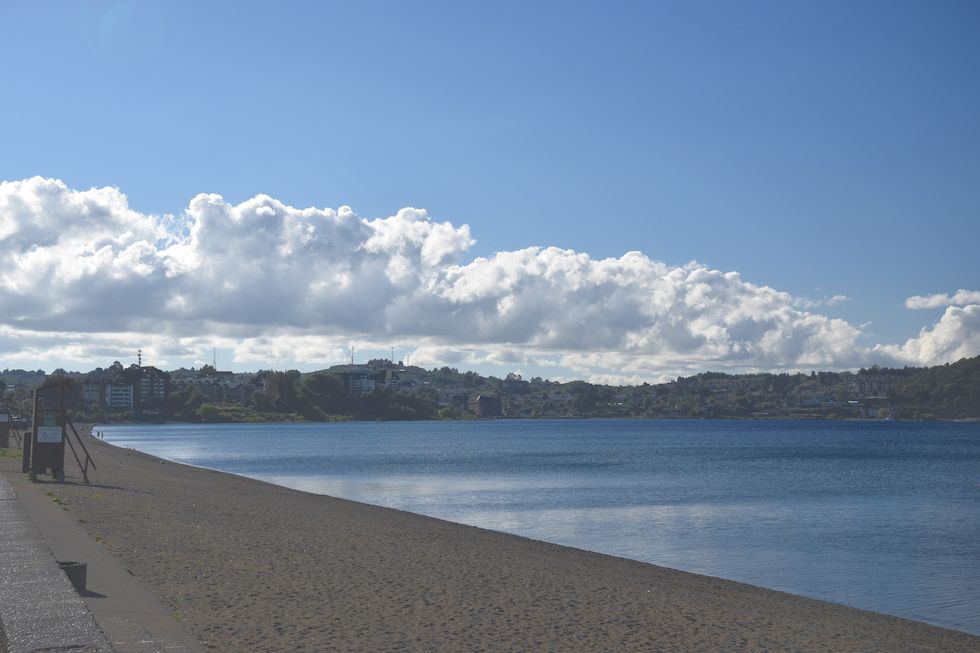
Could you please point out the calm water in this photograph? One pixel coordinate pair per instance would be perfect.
(883, 516)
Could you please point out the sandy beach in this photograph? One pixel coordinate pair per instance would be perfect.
(249, 566)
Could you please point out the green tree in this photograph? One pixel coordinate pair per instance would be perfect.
(209, 413)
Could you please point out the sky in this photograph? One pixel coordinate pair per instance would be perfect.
(620, 192)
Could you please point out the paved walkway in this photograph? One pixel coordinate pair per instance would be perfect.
(39, 608)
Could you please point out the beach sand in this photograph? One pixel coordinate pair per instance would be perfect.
(249, 566)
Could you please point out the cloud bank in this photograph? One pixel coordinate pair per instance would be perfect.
(83, 277)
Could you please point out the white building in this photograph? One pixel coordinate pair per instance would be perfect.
(362, 385)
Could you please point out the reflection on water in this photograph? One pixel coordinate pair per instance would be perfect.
(880, 516)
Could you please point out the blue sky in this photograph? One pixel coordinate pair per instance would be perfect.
(821, 149)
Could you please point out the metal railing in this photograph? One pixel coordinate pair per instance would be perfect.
(81, 443)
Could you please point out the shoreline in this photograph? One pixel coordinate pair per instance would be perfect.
(248, 565)
(779, 418)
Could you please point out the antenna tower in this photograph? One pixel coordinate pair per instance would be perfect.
(139, 357)
(214, 357)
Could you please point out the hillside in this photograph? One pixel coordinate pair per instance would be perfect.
(383, 390)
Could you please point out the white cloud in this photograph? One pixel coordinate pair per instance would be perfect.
(959, 298)
(86, 350)
(955, 336)
(833, 300)
(280, 285)
(266, 350)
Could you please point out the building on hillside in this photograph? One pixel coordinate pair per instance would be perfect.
(874, 385)
(811, 401)
(152, 388)
(487, 406)
(119, 396)
(92, 394)
(223, 387)
(365, 379)
(144, 389)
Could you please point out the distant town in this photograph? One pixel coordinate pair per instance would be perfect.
(387, 390)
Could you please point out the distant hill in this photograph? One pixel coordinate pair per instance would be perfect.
(949, 391)
(382, 389)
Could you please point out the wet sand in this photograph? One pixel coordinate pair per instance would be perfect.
(249, 566)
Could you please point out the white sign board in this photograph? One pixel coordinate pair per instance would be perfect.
(49, 434)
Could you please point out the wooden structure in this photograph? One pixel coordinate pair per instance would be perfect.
(44, 448)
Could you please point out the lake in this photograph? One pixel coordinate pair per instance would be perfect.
(879, 515)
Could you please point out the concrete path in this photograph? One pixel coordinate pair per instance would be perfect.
(132, 619)
(39, 608)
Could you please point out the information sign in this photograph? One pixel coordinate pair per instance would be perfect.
(49, 434)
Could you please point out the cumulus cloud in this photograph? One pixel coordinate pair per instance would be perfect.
(955, 336)
(278, 283)
(959, 298)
